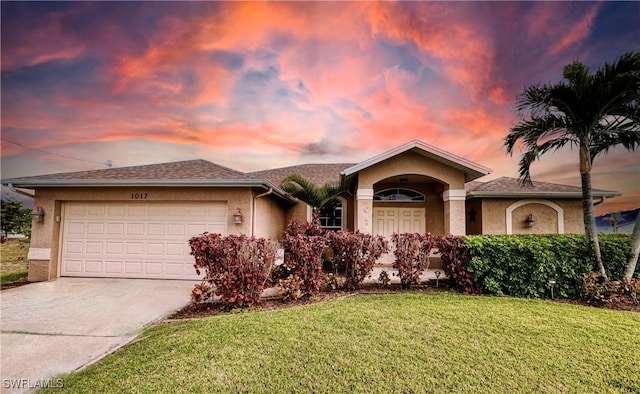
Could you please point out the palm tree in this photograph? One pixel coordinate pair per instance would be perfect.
(614, 219)
(305, 190)
(590, 111)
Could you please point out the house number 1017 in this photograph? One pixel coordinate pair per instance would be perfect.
(139, 196)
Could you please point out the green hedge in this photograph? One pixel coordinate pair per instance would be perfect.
(523, 265)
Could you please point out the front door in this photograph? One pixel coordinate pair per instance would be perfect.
(390, 220)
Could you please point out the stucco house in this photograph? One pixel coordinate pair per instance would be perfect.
(134, 222)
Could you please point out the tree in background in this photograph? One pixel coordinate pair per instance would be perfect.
(592, 112)
(15, 218)
(614, 219)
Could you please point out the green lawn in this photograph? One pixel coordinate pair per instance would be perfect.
(13, 260)
(404, 342)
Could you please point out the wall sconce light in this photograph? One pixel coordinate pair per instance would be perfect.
(237, 217)
(38, 214)
(530, 221)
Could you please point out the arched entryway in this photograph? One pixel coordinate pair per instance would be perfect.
(408, 203)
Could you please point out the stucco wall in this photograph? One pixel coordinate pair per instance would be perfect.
(474, 226)
(297, 213)
(47, 233)
(270, 219)
(410, 163)
(494, 216)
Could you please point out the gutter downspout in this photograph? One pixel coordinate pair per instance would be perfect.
(253, 210)
(600, 202)
(23, 193)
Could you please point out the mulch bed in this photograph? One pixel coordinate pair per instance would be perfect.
(194, 311)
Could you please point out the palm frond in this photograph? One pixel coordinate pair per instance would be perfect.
(305, 190)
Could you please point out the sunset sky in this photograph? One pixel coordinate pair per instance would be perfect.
(260, 85)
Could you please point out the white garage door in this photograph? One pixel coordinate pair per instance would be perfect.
(135, 240)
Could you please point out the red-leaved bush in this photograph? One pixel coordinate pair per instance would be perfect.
(412, 256)
(238, 266)
(454, 255)
(357, 253)
(304, 256)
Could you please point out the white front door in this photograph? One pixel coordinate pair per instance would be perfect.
(390, 220)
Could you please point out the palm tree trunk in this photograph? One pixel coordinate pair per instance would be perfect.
(635, 251)
(587, 209)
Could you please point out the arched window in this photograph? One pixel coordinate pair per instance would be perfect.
(331, 215)
(399, 195)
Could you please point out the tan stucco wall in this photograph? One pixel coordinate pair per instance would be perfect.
(411, 163)
(494, 216)
(297, 213)
(546, 219)
(47, 233)
(270, 219)
(474, 227)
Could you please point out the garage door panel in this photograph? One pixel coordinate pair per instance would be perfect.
(73, 266)
(155, 229)
(113, 267)
(92, 247)
(96, 210)
(176, 229)
(74, 228)
(95, 229)
(135, 248)
(74, 247)
(153, 268)
(115, 229)
(136, 240)
(132, 268)
(134, 229)
(93, 267)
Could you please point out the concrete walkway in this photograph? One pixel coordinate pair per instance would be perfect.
(49, 328)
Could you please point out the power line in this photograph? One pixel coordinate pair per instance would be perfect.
(108, 163)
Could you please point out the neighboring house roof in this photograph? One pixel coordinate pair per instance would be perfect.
(471, 170)
(319, 174)
(506, 187)
(199, 173)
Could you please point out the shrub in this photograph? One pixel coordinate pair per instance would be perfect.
(455, 257)
(305, 250)
(412, 256)
(201, 292)
(291, 288)
(523, 265)
(599, 292)
(357, 253)
(616, 251)
(238, 266)
(384, 278)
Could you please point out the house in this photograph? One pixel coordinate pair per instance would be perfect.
(134, 222)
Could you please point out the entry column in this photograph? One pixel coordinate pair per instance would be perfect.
(364, 210)
(454, 211)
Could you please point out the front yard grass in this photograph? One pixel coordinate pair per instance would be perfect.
(13, 260)
(403, 342)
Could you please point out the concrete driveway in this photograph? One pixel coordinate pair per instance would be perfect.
(49, 328)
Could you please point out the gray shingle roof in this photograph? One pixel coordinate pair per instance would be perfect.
(319, 174)
(190, 169)
(508, 187)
